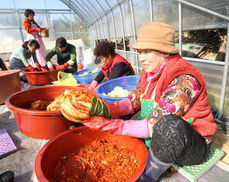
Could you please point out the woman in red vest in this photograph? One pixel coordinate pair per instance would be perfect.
(114, 65)
(175, 117)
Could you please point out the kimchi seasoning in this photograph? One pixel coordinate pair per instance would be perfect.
(99, 161)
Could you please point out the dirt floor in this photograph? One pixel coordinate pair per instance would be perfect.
(22, 161)
(220, 141)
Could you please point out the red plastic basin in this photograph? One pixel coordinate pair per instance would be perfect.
(39, 124)
(9, 84)
(62, 144)
(41, 77)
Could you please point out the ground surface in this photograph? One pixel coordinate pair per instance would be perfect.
(22, 161)
(220, 141)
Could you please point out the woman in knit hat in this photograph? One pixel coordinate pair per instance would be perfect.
(175, 117)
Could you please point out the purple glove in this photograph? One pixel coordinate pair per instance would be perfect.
(133, 128)
(93, 84)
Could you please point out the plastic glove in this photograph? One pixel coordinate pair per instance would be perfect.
(65, 65)
(80, 66)
(93, 84)
(133, 128)
(119, 108)
(98, 107)
(39, 67)
(50, 66)
(30, 68)
(36, 30)
(46, 68)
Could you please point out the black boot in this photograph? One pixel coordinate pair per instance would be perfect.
(7, 176)
(154, 168)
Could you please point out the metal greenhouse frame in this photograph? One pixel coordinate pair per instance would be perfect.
(97, 29)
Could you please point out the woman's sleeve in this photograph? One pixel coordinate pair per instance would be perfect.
(99, 77)
(35, 57)
(27, 26)
(117, 70)
(177, 98)
(50, 54)
(23, 57)
(73, 54)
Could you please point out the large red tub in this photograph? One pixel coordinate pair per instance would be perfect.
(59, 146)
(41, 77)
(40, 124)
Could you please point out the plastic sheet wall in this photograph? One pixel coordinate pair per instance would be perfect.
(125, 19)
(118, 20)
(163, 11)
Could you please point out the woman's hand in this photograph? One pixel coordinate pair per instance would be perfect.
(30, 68)
(36, 30)
(93, 84)
(65, 65)
(50, 66)
(96, 107)
(40, 68)
(133, 128)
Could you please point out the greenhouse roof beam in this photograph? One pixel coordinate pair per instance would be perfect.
(98, 19)
(76, 10)
(224, 81)
(102, 15)
(42, 10)
(107, 21)
(93, 14)
(123, 33)
(134, 33)
(93, 8)
(203, 9)
(87, 10)
(112, 15)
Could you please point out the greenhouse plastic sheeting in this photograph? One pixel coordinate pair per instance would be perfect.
(97, 13)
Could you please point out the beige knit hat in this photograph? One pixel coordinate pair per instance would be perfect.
(156, 36)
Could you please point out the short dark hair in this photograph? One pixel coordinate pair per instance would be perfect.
(61, 42)
(29, 11)
(31, 42)
(104, 48)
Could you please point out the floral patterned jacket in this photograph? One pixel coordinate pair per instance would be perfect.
(180, 90)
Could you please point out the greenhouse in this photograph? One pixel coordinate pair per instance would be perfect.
(201, 37)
